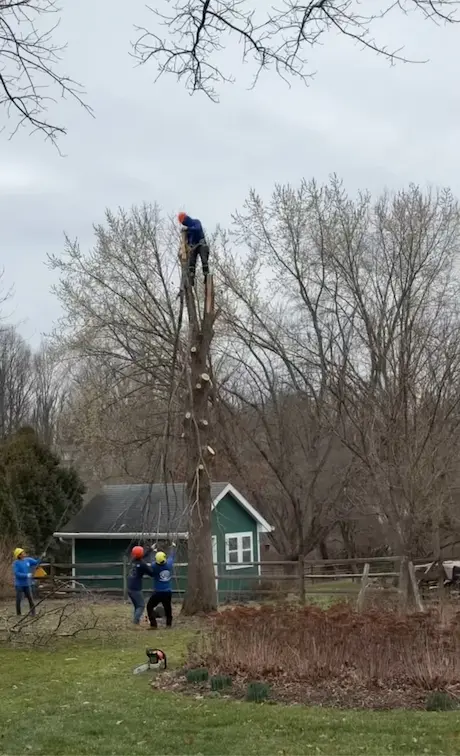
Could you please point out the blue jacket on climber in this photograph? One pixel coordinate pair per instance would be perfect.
(195, 233)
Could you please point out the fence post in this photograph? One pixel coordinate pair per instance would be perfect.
(441, 577)
(364, 584)
(301, 568)
(52, 572)
(125, 578)
(403, 584)
(415, 590)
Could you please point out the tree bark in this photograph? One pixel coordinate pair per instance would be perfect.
(348, 542)
(323, 550)
(200, 595)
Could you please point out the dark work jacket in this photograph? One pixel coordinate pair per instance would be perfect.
(195, 233)
(137, 572)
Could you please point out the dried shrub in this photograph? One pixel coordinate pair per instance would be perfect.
(311, 644)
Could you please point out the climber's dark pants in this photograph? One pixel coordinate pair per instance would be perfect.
(202, 250)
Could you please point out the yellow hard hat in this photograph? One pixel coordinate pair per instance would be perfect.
(160, 557)
(17, 552)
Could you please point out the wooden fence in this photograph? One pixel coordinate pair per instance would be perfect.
(302, 579)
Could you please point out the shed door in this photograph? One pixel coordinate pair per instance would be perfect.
(214, 559)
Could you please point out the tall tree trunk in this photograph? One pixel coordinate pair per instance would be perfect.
(200, 596)
(348, 542)
(323, 550)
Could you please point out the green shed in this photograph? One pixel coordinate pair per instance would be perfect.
(119, 516)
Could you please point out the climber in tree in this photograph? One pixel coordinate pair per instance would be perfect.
(196, 242)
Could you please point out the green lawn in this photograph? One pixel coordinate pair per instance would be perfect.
(82, 698)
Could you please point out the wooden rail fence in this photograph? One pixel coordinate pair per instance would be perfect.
(304, 578)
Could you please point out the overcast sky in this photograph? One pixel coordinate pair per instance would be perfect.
(376, 126)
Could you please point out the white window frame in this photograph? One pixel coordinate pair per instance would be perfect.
(240, 565)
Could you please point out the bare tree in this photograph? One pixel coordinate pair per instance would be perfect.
(342, 319)
(30, 79)
(271, 37)
(16, 382)
(49, 393)
(396, 262)
(123, 320)
(114, 429)
(277, 313)
(201, 588)
(121, 314)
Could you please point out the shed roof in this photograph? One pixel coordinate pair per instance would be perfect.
(150, 509)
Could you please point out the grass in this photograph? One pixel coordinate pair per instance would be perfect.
(82, 698)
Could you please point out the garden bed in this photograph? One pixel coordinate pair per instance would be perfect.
(334, 657)
(344, 695)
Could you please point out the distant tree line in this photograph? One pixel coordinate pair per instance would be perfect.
(37, 491)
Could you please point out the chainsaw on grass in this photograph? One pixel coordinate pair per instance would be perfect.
(156, 661)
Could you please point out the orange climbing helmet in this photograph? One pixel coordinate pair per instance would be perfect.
(137, 552)
(181, 217)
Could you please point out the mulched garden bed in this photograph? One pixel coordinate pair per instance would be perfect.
(345, 694)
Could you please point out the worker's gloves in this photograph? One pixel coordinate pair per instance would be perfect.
(42, 556)
(173, 545)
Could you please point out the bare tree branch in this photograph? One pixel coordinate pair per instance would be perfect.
(121, 335)
(278, 416)
(30, 80)
(271, 37)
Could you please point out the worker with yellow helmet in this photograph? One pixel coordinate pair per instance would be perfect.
(162, 568)
(23, 571)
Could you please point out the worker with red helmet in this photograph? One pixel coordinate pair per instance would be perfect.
(139, 568)
(197, 245)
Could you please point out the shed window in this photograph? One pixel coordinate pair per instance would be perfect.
(238, 550)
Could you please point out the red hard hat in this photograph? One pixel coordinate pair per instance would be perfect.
(181, 217)
(137, 552)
